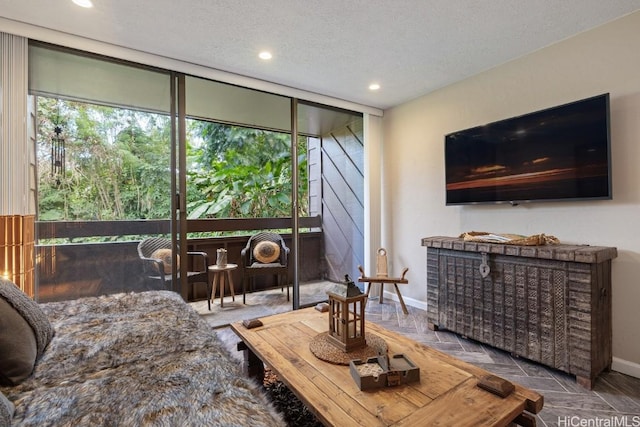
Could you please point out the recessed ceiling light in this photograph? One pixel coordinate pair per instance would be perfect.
(265, 55)
(374, 86)
(83, 3)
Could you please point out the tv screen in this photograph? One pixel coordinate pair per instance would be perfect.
(559, 153)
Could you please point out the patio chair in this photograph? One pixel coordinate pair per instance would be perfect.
(265, 254)
(155, 253)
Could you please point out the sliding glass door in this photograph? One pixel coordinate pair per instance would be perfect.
(331, 144)
(125, 153)
(239, 178)
(104, 159)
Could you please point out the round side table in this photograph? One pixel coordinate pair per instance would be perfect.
(218, 275)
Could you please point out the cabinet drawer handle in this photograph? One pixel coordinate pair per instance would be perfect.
(484, 267)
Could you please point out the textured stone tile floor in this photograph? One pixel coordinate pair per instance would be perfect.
(614, 400)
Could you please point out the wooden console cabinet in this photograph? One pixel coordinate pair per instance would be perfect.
(550, 304)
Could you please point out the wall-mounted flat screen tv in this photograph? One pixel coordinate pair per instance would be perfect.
(561, 153)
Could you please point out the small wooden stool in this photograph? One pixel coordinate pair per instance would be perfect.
(382, 278)
(218, 274)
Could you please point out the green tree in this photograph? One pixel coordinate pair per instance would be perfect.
(117, 163)
(243, 172)
(118, 166)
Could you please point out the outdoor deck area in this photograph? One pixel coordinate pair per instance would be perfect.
(76, 268)
(259, 304)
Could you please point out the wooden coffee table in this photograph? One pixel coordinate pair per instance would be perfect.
(447, 394)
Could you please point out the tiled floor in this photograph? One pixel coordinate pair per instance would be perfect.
(614, 401)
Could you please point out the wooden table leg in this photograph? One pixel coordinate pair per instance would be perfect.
(215, 286)
(221, 290)
(252, 365)
(231, 286)
(525, 420)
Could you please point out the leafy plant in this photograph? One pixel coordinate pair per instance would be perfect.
(244, 173)
(118, 166)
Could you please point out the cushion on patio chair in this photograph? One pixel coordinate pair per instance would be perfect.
(165, 256)
(266, 252)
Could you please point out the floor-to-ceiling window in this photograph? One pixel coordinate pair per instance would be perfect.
(109, 172)
(335, 156)
(104, 147)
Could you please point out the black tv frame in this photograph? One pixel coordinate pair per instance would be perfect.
(556, 154)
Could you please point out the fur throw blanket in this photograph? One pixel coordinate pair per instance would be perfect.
(144, 359)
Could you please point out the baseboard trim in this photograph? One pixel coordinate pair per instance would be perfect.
(625, 367)
(422, 305)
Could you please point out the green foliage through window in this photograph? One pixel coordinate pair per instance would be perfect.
(244, 173)
(117, 167)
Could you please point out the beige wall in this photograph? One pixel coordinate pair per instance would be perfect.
(606, 59)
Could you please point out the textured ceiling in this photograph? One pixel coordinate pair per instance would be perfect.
(331, 47)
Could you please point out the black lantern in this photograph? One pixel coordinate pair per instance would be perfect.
(346, 316)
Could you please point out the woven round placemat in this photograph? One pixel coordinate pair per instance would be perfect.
(324, 350)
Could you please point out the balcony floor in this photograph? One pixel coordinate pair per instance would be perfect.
(259, 304)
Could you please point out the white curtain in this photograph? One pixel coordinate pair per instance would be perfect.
(17, 177)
